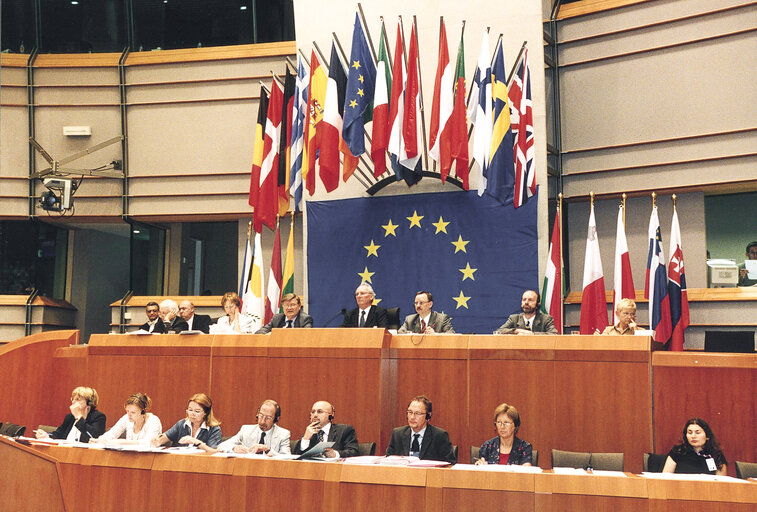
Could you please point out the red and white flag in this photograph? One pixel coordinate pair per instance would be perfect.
(441, 109)
(551, 292)
(332, 128)
(411, 120)
(397, 104)
(593, 301)
(268, 204)
(679, 300)
(273, 297)
(623, 279)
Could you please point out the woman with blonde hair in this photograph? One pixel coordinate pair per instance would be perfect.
(200, 428)
(137, 426)
(83, 422)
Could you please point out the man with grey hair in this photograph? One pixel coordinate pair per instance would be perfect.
(169, 313)
(194, 322)
(365, 314)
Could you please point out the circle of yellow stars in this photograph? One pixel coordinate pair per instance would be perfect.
(390, 229)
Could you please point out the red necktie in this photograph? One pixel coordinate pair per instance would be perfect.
(423, 325)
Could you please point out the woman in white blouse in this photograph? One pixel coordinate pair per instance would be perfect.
(234, 321)
(137, 426)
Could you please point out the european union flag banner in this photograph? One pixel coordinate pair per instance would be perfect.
(474, 254)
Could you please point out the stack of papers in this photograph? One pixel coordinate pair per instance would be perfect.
(505, 468)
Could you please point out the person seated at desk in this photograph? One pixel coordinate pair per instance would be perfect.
(194, 322)
(200, 428)
(424, 320)
(698, 452)
(292, 317)
(506, 448)
(234, 320)
(626, 312)
(531, 320)
(265, 437)
(169, 313)
(751, 254)
(365, 314)
(154, 324)
(84, 422)
(321, 429)
(419, 438)
(137, 426)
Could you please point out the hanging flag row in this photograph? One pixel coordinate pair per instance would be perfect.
(317, 123)
(665, 289)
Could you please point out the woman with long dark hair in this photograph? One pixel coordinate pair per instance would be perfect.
(697, 452)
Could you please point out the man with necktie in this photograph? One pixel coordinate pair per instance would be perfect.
(292, 317)
(265, 437)
(321, 428)
(419, 438)
(425, 320)
(365, 314)
(531, 320)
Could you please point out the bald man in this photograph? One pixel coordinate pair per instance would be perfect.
(321, 428)
(194, 322)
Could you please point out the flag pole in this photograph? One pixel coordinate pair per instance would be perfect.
(470, 90)
(367, 32)
(674, 197)
(517, 59)
(624, 210)
(267, 90)
(654, 199)
(420, 93)
(560, 284)
(591, 195)
(386, 42)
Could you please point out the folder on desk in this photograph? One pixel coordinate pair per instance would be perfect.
(316, 451)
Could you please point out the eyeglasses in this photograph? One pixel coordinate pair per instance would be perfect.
(265, 417)
(195, 411)
(419, 303)
(504, 423)
(417, 414)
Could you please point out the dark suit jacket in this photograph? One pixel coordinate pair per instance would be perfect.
(435, 446)
(177, 325)
(344, 437)
(160, 327)
(200, 323)
(376, 317)
(439, 321)
(542, 324)
(280, 319)
(91, 426)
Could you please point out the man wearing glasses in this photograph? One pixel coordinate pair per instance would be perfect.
(424, 320)
(321, 429)
(292, 317)
(154, 324)
(420, 438)
(365, 314)
(265, 437)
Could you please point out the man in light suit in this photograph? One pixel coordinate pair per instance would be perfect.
(531, 320)
(424, 320)
(419, 438)
(365, 314)
(265, 437)
(292, 317)
(321, 428)
(194, 322)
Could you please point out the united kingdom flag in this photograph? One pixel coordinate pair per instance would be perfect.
(522, 125)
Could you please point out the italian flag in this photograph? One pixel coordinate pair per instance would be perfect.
(551, 292)
(593, 302)
(288, 277)
(455, 134)
(380, 135)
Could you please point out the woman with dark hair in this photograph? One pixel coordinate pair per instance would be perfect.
(506, 448)
(697, 452)
(200, 428)
(137, 426)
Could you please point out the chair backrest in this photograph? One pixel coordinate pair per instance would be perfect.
(12, 430)
(454, 450)
(729, 341)
(654, 462)
(563, 459)
(474, 450)
(607, 461)
(535, 457)
(366, 448)
(393, 318)
(746, 469)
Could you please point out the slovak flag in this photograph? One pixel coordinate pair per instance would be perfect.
(656, 288)
(679, 301)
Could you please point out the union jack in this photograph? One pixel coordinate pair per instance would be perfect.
(522, 126)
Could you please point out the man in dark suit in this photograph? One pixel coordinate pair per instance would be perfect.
(194, 322)
(321, 428)
(292, 317)
(419, 438)
(531, 320)
(154, 324)
(169, 313)
(365, 314)
(424, 320)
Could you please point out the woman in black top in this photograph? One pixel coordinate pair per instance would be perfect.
(83, 422)
(697, 452)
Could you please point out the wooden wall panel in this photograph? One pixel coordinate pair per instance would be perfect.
(21, 466)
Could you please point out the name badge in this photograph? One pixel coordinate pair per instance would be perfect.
(711, 463)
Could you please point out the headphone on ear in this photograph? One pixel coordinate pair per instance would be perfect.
(333, 412)
(428, 415)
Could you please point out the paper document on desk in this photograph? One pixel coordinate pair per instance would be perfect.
(415, 462)
(751, 267)
(504, 468)
(364, 459)
(692, 477)
(317, 450)
(569, 471)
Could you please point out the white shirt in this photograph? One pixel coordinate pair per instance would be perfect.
(366, 311)
(151, 325)
(152, 428)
